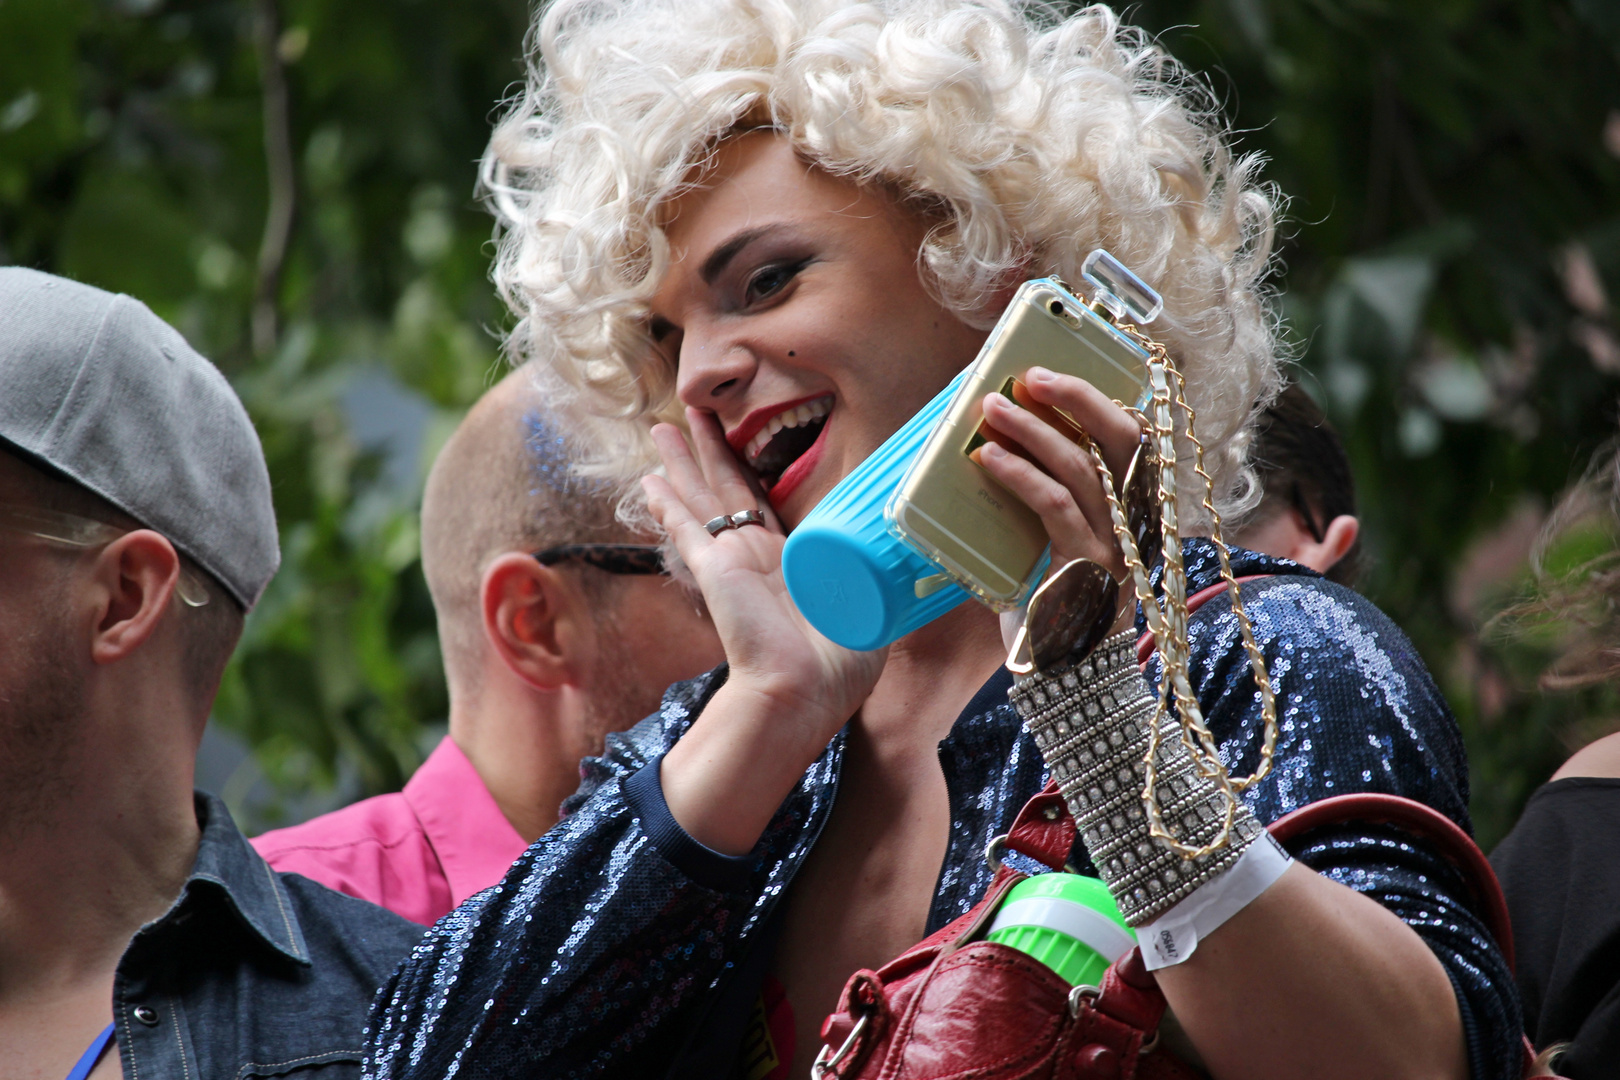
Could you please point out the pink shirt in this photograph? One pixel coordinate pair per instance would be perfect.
(418, 853)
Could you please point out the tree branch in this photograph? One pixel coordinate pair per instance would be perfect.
(278, 155)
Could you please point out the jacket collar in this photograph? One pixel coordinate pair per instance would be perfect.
(1203, 565)
(227, 866)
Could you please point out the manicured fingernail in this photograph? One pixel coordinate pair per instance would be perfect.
(1040, 374)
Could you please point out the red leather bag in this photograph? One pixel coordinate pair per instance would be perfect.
(959, 1007)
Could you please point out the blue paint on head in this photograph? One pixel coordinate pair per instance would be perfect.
(551, 458)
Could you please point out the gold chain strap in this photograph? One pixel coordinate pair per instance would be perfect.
(1169, 624)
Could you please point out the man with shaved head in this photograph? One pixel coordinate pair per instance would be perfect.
(557, 628)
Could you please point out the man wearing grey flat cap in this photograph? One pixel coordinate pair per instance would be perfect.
(140, 935)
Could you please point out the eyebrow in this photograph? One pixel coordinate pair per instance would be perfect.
(721, 256)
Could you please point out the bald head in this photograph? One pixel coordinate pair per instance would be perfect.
(502, 483)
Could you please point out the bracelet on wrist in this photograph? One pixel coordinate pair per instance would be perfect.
(1091, 719)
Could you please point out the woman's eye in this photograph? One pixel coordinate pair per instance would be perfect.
(769, 280)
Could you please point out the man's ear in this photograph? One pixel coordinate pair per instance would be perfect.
(536, 620)
(135, 578)
(1338, 538)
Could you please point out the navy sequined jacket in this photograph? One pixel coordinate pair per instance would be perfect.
(618, 946)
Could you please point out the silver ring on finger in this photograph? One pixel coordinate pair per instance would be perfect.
(718, 525)
(747, 517)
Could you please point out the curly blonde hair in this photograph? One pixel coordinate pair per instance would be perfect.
(1037, 137)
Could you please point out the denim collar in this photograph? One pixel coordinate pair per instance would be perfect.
(228, 867)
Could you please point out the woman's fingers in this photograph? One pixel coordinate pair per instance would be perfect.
(684, 528)
(684, 473)
(1113, 429)
(684, 503)
(671, 512)
(1054, 449)
(726, 476)
(1073, 536)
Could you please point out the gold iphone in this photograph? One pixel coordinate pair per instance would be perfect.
(947, 506)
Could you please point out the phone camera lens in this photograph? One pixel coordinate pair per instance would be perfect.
(1056, 307)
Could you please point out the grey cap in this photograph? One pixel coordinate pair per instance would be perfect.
(108, 394)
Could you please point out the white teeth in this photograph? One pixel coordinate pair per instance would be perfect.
(795, 417)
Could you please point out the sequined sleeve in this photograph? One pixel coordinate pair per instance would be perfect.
(583, 960)
(1358, 712)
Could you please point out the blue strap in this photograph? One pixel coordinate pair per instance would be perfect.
(92, 1054)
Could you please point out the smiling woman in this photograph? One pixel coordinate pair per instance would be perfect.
(793, 311)
(786, 225)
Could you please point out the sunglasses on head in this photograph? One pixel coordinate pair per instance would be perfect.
(74, 531)
(608, 558)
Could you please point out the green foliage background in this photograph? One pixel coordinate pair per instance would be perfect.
(1454, 236)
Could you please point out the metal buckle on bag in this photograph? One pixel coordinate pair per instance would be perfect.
(1078, 997)
(825, 1065)
(993, 850)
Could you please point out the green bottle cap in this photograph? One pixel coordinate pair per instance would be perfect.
(1068, 922)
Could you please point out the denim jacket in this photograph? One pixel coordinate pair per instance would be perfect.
(250, 972)
(619, 946)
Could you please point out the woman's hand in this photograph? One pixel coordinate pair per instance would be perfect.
(789, 690)
(768, 643)
(1059, 479)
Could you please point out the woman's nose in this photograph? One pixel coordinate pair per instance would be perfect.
(711, 369)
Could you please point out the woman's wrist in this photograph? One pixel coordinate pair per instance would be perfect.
(786, 705)
(724, 779)
(1091, 719)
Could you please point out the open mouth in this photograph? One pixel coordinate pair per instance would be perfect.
(785, 438)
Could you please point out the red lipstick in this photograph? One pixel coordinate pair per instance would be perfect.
(795, 474)
(739, 436)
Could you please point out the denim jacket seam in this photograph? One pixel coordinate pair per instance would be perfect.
(128, 1040)
(179, 1039)
(249, 1067)
(281, 909)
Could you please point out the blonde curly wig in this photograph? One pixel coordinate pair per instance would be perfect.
(1039, 136)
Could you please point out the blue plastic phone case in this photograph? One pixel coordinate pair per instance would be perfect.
(853, 580)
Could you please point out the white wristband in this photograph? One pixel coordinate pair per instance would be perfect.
(1174, 936)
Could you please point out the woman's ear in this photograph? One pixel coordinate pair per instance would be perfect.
(537, 621)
